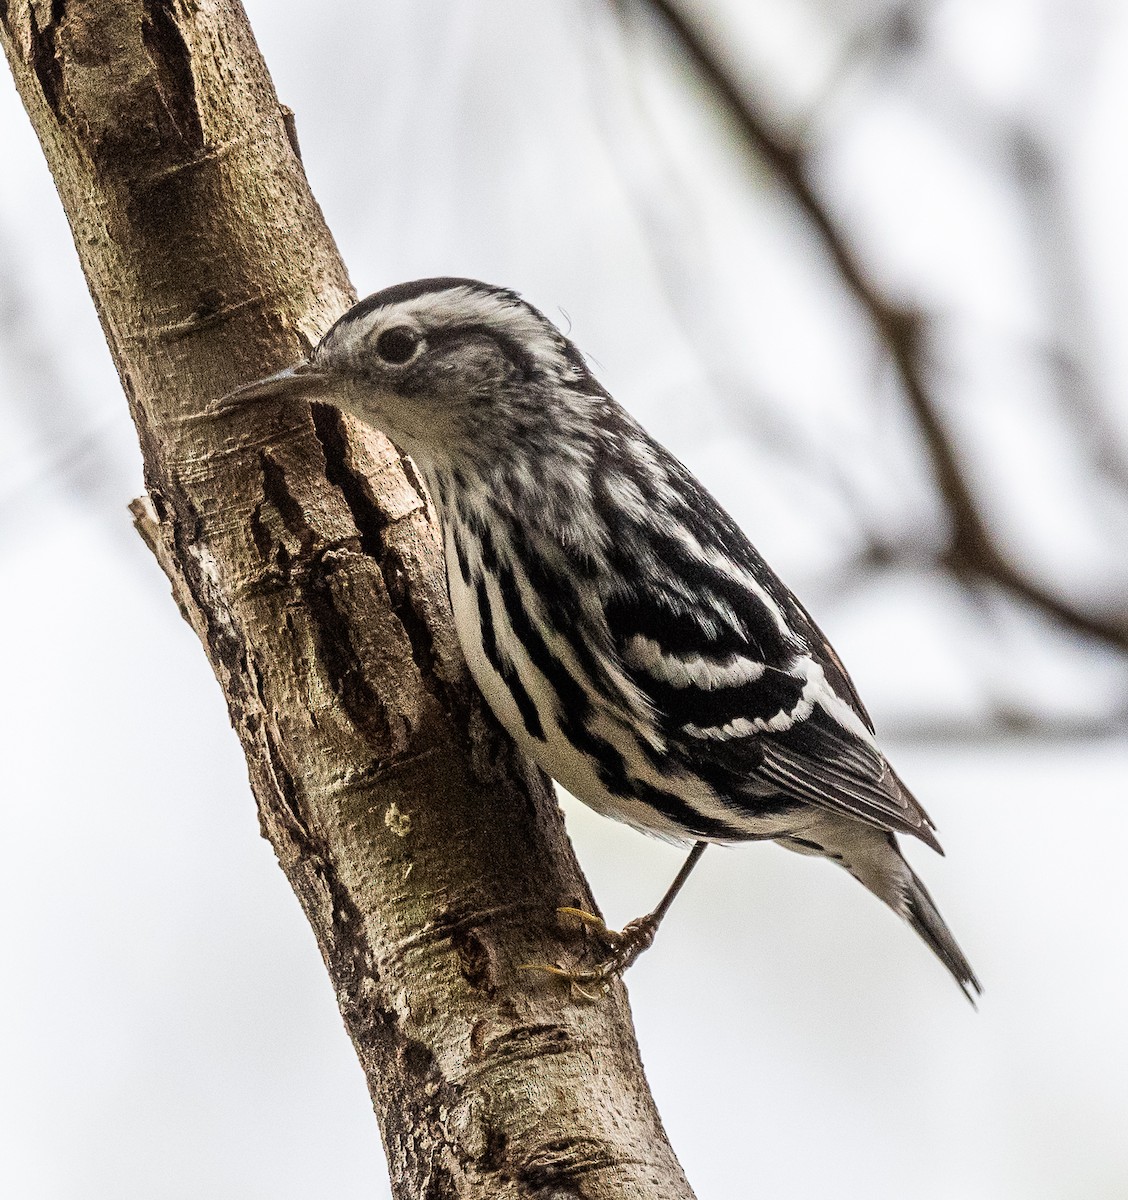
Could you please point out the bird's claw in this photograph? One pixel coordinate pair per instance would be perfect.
(623, 947)
(587, 985)
(610, 936)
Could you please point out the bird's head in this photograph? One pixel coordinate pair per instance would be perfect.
(452, 370)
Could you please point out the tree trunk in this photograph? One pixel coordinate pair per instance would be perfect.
(428, 856)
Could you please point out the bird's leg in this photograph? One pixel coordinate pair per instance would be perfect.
(626, 945)
(622, 947)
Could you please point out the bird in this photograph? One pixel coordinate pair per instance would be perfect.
(619, 624)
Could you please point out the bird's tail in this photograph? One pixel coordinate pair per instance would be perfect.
(922, 914)
(873, 857)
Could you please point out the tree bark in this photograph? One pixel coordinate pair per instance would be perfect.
(428, 856)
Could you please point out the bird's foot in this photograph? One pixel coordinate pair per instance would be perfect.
(620, 949)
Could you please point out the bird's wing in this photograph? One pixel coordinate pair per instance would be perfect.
(743, 686)
(747, 726)
(820, 761)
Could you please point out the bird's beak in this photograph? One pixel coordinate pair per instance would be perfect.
(301, 382)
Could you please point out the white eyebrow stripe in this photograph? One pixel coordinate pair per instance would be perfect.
(461, 305)
(694, 670)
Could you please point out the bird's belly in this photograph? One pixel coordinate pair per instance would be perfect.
(554, 752)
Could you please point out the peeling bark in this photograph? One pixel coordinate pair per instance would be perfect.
(427, 855)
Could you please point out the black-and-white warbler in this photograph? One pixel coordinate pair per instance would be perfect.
(619, 624)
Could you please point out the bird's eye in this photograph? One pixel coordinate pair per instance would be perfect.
(397, 345)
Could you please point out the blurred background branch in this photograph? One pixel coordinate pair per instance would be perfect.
(974, 553)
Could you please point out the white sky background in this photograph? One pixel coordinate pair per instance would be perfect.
(166, 1028)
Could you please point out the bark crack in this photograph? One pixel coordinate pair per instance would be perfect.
(171, 57)
(525, 1041)
(344, 665)
(559, 1164)
(286, 787)
(280, 557)
(372, 525)
(199, 570)
(476, 962)
(44, 57)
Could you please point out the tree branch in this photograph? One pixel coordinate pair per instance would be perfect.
(428, 856)
(973, 551)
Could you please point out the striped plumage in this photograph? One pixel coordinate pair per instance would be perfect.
(620, 625)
